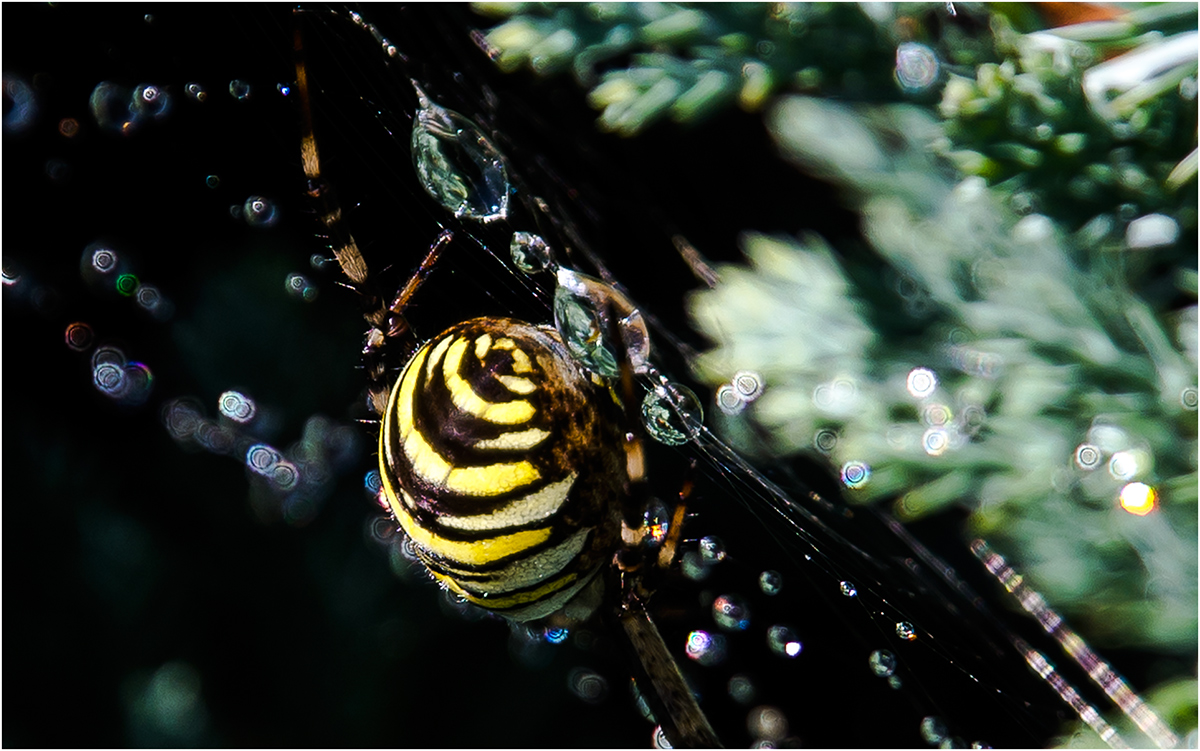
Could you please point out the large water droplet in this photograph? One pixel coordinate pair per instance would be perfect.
(672, 415)
(770, 582)
(905, 631)
(882, 662)
(730, 613)
(705, 648)
(848, 589)
(783, 641)
(712, 549)
(530, 253)
(583, 309)
(457, 164)
(933, 730)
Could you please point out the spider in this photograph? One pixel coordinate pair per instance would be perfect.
(517, 473)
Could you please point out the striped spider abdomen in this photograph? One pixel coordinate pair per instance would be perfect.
(503, 463)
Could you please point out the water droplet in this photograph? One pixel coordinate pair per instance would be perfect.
(882, 662)
(855, 474)
(1123, 465)
(457, 164)
(935, 441)
(705, 648)
(712, 549)
(905, 631)
(921, 382)
(556, 635)
(259, 212)
(181, 417)
(693, 566)
(730, 613)
(782, 640)
(195, 91)
(825, 440)
(741, 689)
(748, 384)
(298, 286)
(894, 682)
(126, 284)
(236, 406)
(80, 336)
(530, 253)
(587, 685)
(382, 529)
(916, 67)
(20, 105)
(261, 458)
(152, 301)
(1188, 398)
(150, 102)
(848, 589)
(767, 723)
(9, 274)
(283, 89)
(213, 181)
(656, 522)
(933, 730)
(104, 260)
(729, 401)
(672, 415)
(372, 482)
(659, 738)
(68, 127)
(239, 90)
(1087, 456)
(112, 108)
(770, 582)
(586, 311)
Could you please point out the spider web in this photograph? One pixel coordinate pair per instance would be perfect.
(168, 586)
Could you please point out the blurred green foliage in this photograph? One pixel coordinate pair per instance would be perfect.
(1030, 246)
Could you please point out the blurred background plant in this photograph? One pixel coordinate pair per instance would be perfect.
(1016, 332)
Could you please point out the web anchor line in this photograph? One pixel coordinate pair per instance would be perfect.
(1103, 674)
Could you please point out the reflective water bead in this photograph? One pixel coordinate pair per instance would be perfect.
(921, 382)
(586, 311)
(848, 589)
(882, 662)
(530, 253)
(672, 415)
(741, 689)
(767, 723)
(456, 163)
(80, 336)
(659, 738)
(712, 549)
(933, 730)
(731, 613)
(935, 441)
(916, 67)
(298, 286)
(905, 631)
(236, 406)
(239, 89)
(749, 384)
(126, 285)
(283, 89)
(782, 640)
(1138, 498)
(112, 108)
(556, 635)
(1087, 456)
(212, 181)
(705, 648)
(855, 474)
(1189, 398)
(729, 401)
(656, 522)
(770, 582)
(195, 91)
(259, 212)
(150, 101)
(587, 685)
(825, 440)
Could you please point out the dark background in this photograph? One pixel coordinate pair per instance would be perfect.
(125, 552)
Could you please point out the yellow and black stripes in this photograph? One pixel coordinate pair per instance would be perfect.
(500, 462)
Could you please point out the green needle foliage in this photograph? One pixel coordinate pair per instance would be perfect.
(1019, 335)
